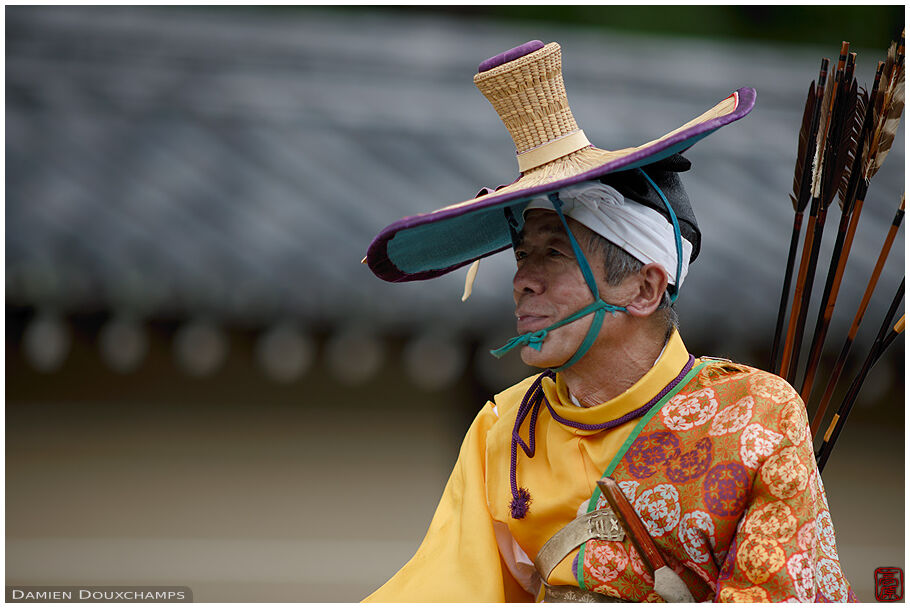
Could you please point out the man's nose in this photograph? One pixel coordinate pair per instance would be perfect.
(528, 279)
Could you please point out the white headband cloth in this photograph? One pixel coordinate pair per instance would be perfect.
(640, 231)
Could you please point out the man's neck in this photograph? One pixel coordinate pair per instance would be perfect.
(603, 373)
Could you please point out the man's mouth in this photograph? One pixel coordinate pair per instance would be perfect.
(531, 322)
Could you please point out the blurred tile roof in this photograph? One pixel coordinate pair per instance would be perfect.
(237, 164)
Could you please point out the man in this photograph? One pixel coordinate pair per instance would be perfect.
(715, 457)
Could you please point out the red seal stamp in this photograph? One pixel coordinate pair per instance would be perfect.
(889, 584)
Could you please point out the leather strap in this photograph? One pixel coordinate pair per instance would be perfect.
(600, 524)
(552, 150)
(568, 593)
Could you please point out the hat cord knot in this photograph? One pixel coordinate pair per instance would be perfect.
(533, 339)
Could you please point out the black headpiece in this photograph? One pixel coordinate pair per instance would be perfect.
(665, 173)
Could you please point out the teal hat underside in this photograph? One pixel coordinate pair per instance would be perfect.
(455, 240)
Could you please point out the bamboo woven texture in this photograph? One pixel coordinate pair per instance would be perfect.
(530, 97)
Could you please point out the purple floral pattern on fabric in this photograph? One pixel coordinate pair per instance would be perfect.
(726, 489)
(649, 453)
(691, 464)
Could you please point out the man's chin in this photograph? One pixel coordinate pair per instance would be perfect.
(541, 358)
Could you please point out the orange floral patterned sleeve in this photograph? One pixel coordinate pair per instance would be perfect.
(725, 480)
(783, 549)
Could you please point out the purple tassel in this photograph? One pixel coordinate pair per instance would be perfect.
(521, 498)
(520, 503)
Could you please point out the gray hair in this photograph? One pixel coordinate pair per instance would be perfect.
(618, 264)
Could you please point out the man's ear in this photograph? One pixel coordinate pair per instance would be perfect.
(651, 283)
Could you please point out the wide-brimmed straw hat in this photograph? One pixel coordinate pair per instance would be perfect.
(526, 89)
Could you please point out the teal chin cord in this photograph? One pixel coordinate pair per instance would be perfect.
(598, 307)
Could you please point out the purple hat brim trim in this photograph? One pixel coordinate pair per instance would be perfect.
(381, 264)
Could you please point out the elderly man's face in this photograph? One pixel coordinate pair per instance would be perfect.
(549, 286)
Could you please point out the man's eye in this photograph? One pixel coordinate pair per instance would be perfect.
(520, 255)
(554, 252)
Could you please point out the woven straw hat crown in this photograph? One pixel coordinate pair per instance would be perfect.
(528, 94)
